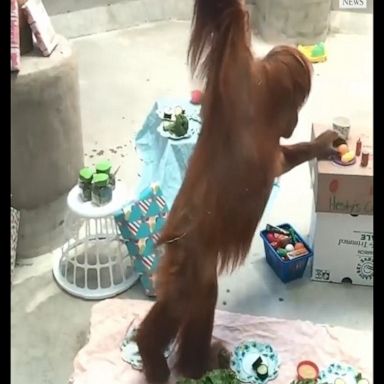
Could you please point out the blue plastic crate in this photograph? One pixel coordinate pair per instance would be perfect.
(287, 270)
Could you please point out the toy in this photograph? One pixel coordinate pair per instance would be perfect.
(348, 157)
(260, 368)
(345, 159)
(296, 253)
(339, 141)
(308, 373)
(358, 147)
(342, 126)
(176, 122)
(262, 371)
(287, 245)
(340, 373)
(307, 370)
(255, 363)
(342, 149)
(364, 159)
(273, 229)
(196, 97)
(314, 53)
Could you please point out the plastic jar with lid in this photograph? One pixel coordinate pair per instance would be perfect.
(85, 183)
(101, 190)
(106, 167)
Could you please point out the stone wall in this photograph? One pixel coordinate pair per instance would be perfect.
(291, 21)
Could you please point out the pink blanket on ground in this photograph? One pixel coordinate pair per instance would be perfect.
(99, 362)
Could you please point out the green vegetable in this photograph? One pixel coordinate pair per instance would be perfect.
(180, 127)
(360, 380)
(306, 381)
(218, 376)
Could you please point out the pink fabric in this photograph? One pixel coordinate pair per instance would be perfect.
(99, 362)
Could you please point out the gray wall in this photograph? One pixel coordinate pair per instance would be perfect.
(55, 7)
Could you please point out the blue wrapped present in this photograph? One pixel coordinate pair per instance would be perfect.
(140, 223)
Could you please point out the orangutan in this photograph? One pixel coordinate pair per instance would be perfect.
(248, 105)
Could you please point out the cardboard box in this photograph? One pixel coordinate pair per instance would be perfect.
(344, 189)
(15, 37)
(41, 26)
(343, 248)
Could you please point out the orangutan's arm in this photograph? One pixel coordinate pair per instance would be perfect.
(294, 155)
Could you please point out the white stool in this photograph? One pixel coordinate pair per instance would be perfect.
(94, 263)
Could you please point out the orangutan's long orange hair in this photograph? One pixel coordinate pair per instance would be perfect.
(248, 105)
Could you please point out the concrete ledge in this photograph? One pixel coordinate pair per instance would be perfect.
(291, 21)
(42, 229)
(46, 136)
(46, 146)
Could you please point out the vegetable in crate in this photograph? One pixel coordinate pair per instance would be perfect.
(273, 229)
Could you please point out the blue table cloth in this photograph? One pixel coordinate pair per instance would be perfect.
(165, 160)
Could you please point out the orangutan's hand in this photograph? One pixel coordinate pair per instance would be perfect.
(323, 143)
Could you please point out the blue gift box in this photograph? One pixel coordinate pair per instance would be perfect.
(140, 222)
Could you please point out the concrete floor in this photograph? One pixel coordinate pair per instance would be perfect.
(121, 74)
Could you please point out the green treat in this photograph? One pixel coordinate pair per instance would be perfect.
(218, 376)
(318, 50)
(180, 127)
(104, 167)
